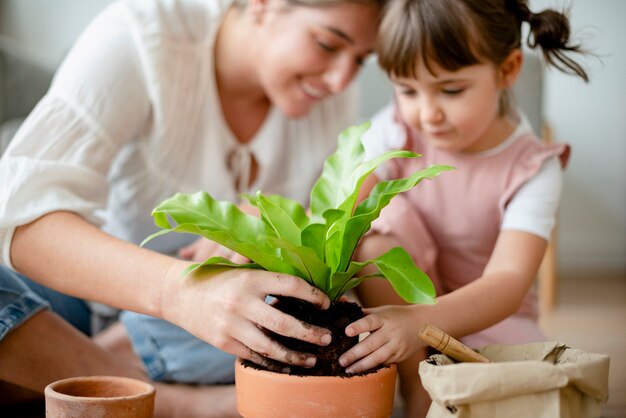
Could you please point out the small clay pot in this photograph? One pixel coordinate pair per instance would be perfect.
(264, 394)
(99, 396)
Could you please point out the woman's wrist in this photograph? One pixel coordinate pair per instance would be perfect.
(170, 288)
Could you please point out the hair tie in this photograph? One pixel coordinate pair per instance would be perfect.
(520, 9)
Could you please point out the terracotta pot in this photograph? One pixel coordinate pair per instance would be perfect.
(263, 394)
(99, 396)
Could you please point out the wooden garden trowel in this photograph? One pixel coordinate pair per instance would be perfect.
(449, 346)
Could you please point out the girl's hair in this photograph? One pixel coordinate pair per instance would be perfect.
(459, 33)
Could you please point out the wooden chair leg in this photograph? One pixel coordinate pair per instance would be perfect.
(548, 278)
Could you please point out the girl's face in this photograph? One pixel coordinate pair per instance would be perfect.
(308, 53)
(457, 111)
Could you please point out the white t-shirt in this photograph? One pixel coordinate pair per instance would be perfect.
(532, 209)
(133, 116)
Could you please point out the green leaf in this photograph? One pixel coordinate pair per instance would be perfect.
(344, 173)
(314, 237)
(251, 198)
(341, 281)
(365, 169)
(155, 235)
(293, 209)
(267, 256)
(369, 209)
(304, 260)
(220, 262)
(338, 188)
(410, 282)
(397, 266)
(336, 183)
(318, 249)
(222, 222)
(333, 250)
(286, 217)
(347, 206)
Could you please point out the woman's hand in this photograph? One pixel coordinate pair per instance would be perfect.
(393, 337)
(227, 308)
(203, 249)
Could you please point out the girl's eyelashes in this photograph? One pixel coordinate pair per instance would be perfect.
(404, 90)
(452, 92)
(411, 92)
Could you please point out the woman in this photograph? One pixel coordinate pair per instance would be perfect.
(159, 97)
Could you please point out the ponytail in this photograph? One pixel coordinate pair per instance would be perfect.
(550, 30)
(459, 33)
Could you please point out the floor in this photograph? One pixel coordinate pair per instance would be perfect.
(590, 314)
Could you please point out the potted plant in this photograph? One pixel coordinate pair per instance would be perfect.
(318, 248)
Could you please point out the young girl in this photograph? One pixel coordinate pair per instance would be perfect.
(479, 231)
(159, 97)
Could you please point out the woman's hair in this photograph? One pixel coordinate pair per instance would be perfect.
(458, 33)
(322, 3)
(313, 3)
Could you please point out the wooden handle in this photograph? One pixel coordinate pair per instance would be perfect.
(452, 348)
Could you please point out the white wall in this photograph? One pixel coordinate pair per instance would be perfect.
(591, 117)
(47, 28)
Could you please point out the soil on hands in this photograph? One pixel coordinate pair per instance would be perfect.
(335, 319)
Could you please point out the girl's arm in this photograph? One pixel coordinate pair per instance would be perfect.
(367, 186)
(486, 301)
(225, 308)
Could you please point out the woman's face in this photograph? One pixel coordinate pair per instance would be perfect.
(308, 53)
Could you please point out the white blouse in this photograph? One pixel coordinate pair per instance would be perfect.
(133, 116)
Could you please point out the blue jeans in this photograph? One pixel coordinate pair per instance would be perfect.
(172, 354)
(169, 352)
(21, 299)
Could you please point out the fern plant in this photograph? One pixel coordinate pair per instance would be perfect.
(318, 248)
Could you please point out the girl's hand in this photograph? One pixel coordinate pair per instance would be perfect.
(227, 309)
(393, 337)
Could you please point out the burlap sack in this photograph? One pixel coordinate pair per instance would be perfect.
(541, 380)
